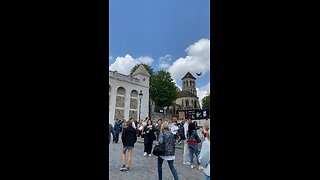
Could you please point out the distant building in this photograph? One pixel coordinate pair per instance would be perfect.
(124, 94)
(187, 97)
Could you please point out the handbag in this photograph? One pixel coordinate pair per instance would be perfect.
(159, 150)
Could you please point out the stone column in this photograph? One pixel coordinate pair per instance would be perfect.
(127, 105)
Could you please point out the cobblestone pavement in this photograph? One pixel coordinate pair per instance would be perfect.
(145, 168)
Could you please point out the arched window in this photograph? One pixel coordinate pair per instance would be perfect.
(121, 91)
(120, 103)
(133, 111)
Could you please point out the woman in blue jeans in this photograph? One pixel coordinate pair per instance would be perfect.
(193, 140)
(168, 139)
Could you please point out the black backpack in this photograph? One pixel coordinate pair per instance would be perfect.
(181, 132)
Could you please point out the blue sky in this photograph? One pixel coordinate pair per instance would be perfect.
(172, 35)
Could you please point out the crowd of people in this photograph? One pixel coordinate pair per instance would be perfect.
(162, 132)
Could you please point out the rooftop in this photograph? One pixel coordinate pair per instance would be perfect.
(188, 75)
(185, 93)
(141, 70)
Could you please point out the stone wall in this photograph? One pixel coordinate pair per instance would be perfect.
(156, 116)
(124, 101)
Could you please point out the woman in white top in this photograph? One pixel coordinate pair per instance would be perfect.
(174, 129)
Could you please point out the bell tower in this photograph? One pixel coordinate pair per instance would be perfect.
(189, 83)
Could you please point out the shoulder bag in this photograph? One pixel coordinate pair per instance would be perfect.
(159, 149)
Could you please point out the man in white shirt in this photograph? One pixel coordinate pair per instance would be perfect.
(186, 152)
(174, 129)
(133, 123)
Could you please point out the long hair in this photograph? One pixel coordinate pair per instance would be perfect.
(208, 135)
(191, 128)
(164, 125)
(148, 122)
(129, 123)
(207, 125)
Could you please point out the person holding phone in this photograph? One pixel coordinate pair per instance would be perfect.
(148, 137)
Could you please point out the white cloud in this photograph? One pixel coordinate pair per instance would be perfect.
(145, 59)
(125, 64)
(202, 92)
(173, 80)
(164, 65)
(164, 61)
(196, 61)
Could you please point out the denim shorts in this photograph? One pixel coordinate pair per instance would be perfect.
(127, 147)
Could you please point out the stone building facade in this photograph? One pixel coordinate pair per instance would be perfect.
(187, 98)
(124, 92)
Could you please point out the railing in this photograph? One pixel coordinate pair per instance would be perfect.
(117, 75)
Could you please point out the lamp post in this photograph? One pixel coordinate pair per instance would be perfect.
(140, 96)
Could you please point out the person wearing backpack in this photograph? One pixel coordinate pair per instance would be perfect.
(193, 139)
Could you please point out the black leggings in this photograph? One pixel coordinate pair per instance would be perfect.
(148, 147)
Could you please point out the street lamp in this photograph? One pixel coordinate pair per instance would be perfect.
(140, 96)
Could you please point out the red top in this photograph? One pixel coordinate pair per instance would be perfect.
(192, 142)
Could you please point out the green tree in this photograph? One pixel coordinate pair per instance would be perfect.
(162, 90)
(148, 68)
(206, 102)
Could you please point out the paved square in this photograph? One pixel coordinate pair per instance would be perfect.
(145, 168)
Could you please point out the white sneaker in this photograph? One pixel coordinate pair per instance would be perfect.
(186, 163)
(123, 168)
(200, 167)
(192, 166)
(149, 154)
(145, 154)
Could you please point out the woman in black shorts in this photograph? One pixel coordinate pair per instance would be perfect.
(128, 137)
